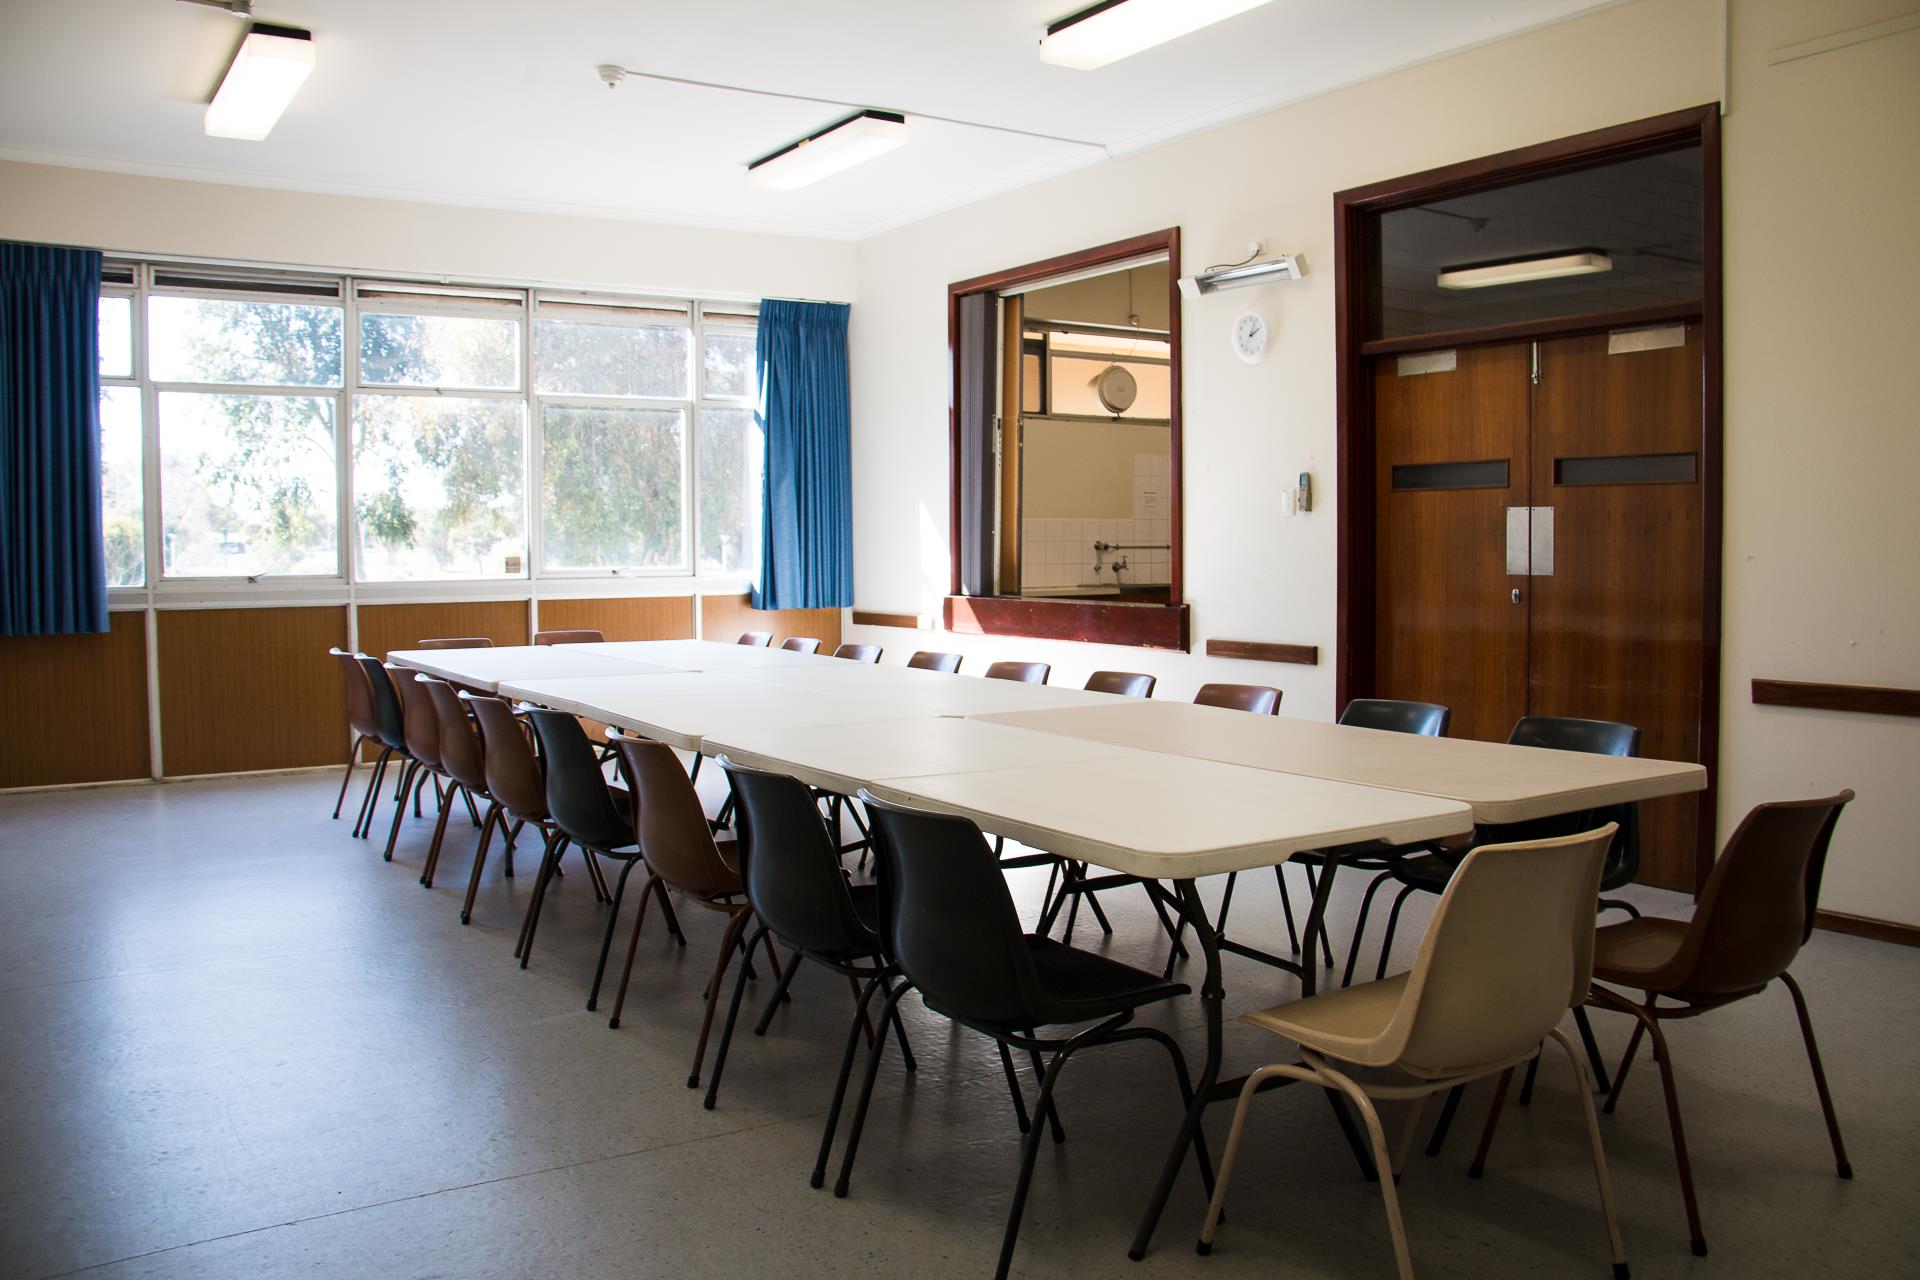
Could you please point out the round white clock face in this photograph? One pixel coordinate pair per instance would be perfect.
(1250, 337)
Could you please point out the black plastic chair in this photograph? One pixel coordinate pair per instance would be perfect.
(801, 898)
(948, 922)
(584, 813)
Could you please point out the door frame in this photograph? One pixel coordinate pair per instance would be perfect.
(1356, 510)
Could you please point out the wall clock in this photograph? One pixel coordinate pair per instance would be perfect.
(1250, 337)
(1116, 389)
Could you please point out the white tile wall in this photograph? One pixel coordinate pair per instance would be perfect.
(1059, 552)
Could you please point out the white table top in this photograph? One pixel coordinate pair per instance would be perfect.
(1501, 783)
(488, 668)
(709, 655)
(952, 694)
(1174, 817)
(684, 709)
(845, 757)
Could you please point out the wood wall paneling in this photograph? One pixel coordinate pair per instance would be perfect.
(386, 627)
(724, 617)
(76, 706)
(629, 618)
(244, 689)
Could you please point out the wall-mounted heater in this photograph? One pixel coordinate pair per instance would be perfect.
(1286, 266)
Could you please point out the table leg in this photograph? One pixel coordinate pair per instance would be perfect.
(1212, 996)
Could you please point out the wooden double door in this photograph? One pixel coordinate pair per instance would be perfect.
(1540, 515)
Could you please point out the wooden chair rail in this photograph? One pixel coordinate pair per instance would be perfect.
(1305, 655)
(1859, 698)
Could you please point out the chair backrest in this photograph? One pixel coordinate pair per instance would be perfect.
(1024, 672)
(582, 636)
(800, 644)
(1260, 699)
(858, 652)
(671, 826)
(1758, 907)
(417, 718)
(928, 660)
(390, 724)
(1128, 684)
(1509, 950)
(456, 642)
(755, 639)
(1427, 719)
(506, 752)
(1595, 737)
(791, 867)
(947, 919)
(460, 753)
(576, 791)
(361, 715)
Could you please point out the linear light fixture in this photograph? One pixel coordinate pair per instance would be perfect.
(267, 70)
(1117, 29)
(1580, 262)
(858, 138)
(1285, 266)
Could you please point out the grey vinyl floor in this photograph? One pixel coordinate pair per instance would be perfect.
(238, 1044)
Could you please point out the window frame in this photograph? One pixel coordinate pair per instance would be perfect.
(356, 295)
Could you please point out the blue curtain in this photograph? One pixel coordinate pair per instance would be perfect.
(806, 520)
(53, 566)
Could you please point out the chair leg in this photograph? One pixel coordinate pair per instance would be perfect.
(1665, 1061)
(1218, 1200)
(733, 1016)
(633, 945)
(736, 925)
(606, 939)
(367, 805)
(1393, 924)
(1013, 1087)
(1626, 1061)
(819, 1176)
(400, 809)
(779, 994)
(1583, 1085)
(1030, 1151)
(1597, 1063)
(493, 820)
(1226, 904)
(353, 758)
(1093, 905)
(1360, 926)
(472, 812)
(1445, 1122)
(866, 1095)
(549, 859)
(1479, 1165)
(1840, 1161)
(1053, 1114)
(439, 832)
(1526, 1082)
(1326, 949)
(1286, 909)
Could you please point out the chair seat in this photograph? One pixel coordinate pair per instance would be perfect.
(1338, 1022)
(1427, 871)
(1081, 985)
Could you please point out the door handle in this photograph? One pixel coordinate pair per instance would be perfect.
(1530, 542)
(1516, 595)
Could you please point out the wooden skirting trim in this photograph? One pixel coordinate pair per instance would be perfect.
(870, 618)
(1865, 699)
(1305, 655)
(1906, 935)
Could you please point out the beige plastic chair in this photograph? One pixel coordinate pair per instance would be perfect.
(1509, 951)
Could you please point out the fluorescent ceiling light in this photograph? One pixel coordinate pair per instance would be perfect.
(1119, 29)
(1585, 262)
(860, 137)
(267, 70)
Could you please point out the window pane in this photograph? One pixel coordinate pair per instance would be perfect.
(731, 449)
(123, 498)
(587, 358)
(209, 340)
(611, 482)
(728, 364)
(116, 337)
(439, 351)
(436, 484)
(247, 485)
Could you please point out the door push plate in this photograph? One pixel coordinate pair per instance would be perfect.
(1530, 542)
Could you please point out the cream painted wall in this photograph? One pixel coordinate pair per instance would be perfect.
(1821, 271)
(135, 214)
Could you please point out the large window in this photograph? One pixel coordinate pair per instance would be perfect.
(263, 426)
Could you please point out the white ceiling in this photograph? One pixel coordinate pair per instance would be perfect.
(495, 102)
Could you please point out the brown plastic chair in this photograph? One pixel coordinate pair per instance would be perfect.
(422, 726)
(1749, 924)
(460, 764)
(858, 652)
(681, 855)
(927, 660)
(456, 642)
(364, 723)
(584, 636)
(800, 644)
(755, 639)
(1128, 684)
(1260, 699)
(1508, 952)
(1022, 672)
